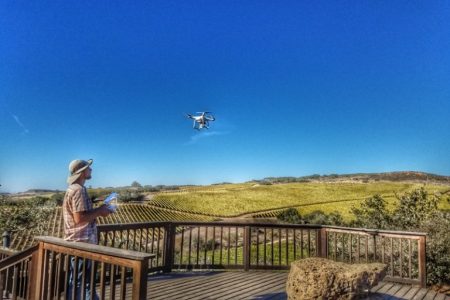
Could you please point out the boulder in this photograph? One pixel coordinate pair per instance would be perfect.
(320, 278)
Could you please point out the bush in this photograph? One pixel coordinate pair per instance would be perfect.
(57, 198)
(136, 184)
(373, 213)
(320, 218)
(416, 211)
(335, 218)
(31, 215)
(264, 182)
(97, 193)
(290, 215)
(316, 217)
(128, 196)
(438, 247)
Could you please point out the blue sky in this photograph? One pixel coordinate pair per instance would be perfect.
(298, 88)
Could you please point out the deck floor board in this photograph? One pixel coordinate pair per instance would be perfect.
(401, 292)
(257, 285)
(248, 290)
(243, 285)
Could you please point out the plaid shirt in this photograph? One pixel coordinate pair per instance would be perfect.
(77, 200)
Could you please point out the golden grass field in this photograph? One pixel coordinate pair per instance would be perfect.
(236, 199)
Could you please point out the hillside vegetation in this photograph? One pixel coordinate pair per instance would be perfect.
(356, 200)
(236, 199)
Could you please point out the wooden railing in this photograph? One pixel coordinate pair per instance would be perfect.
(403, 252)
(142, 237)
(241, 246)
(48, 266)
(7, 274)
(15, 271)
(5, 252)
(128, 252)
(225, 245)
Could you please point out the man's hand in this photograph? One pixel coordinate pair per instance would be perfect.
(110, 198)
(103, 211)
(88, 216)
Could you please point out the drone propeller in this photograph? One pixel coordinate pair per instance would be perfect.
(203, 112)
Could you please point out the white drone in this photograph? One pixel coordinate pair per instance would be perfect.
(201, 121)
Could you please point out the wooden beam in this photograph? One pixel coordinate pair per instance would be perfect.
(422, 246)
(246, 247)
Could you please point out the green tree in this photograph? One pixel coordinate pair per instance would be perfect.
(335, 218)
(438, 247)
(415, 208)
(31, 215)
(416, 211)
(57, 198)
(130, 195)
(372, 213)
(136, 184)
(316, 217)
(290, 215)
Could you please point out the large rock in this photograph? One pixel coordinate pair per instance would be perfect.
(320, 278)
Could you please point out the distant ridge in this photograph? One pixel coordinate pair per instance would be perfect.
(41, 191)
(399, 176)
(414, 176)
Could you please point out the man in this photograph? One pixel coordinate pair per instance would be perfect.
(79, 221)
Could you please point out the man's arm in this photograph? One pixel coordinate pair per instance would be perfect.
(82, 217)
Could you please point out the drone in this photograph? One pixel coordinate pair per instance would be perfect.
(201, 121)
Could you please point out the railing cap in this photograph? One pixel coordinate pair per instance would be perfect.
(7, 251)
(250, 223)
(376, 231)
(134, 225)
(253, 223)
(122, 253)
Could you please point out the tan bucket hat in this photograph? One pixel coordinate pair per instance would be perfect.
(76, 167)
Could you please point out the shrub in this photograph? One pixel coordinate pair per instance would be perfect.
(373, 213)
(136, 184)
(415, 208)
(438, 247)
(31, 214)
(290, 215)
(128, 196)
(57, 198)
(416, 211)
(320, 218)
(316, 217)
(335, 218)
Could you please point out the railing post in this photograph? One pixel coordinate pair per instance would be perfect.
(2, 283)
(169, 247)
(6, 236)
(246, 248)
(322, 243)
(36, 273)
(140, 280)
(374, 236)
(422, 246)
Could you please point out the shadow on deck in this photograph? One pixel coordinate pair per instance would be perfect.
(256, 285)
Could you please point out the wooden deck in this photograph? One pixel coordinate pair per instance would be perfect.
(256, 285)
(249, 285)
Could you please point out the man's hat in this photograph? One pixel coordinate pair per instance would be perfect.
(76, 167)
